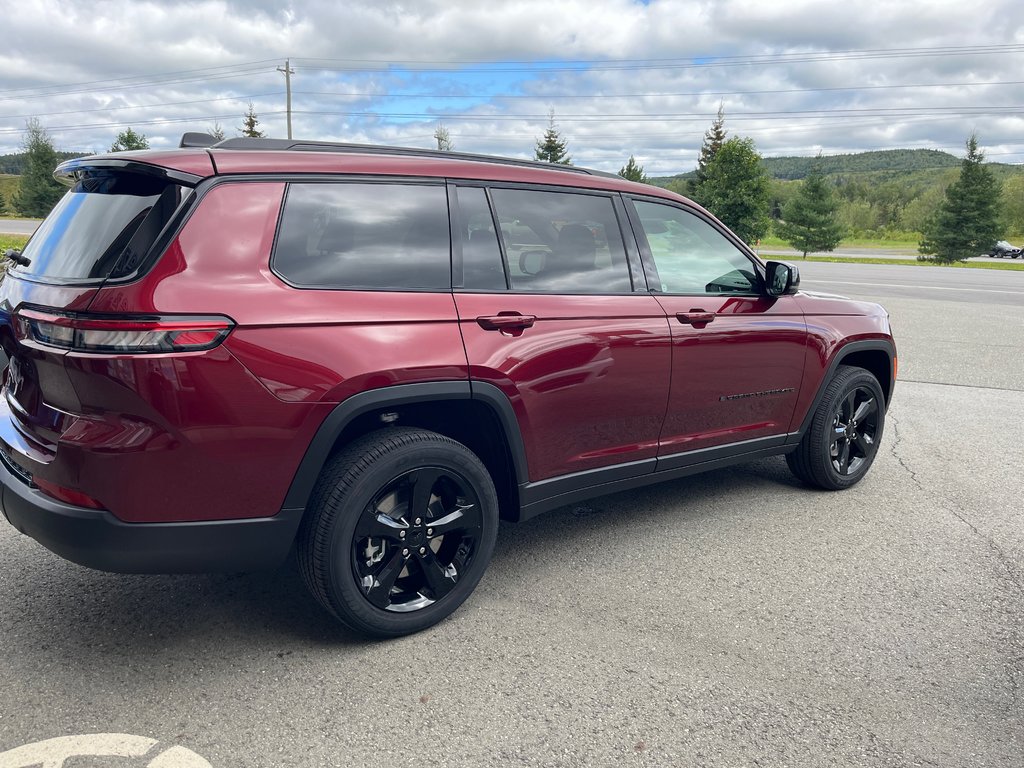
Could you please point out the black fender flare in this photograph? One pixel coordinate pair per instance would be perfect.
(870, 345)
(327, 434)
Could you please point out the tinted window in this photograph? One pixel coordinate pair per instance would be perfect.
(365, 236)
(102, 227)
(691, 256)
(560, 242)
(481, 256)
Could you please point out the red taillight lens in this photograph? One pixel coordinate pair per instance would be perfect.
(124, 335)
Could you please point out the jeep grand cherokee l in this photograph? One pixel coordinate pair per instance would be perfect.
(370, 355)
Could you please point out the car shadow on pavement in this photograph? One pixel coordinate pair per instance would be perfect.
(148, 617)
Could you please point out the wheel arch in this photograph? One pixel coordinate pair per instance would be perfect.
(876, 356)
(476, 414)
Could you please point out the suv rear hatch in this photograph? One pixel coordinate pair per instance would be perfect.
(110, 225)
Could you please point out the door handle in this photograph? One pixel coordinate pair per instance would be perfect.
(506, 321)
(695, 317)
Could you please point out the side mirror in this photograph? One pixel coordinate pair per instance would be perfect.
(781, 279)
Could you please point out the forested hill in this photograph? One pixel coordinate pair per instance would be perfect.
(901, 160)
(16, 163)
(891, 160)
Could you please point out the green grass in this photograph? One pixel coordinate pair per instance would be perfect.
(12, 241)
(1011, 266)
(853, 242)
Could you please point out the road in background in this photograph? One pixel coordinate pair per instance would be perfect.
(18, 226)
(734, 618)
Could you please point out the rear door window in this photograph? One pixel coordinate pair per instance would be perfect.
(561, 242)
(365, 237)
(103, 227)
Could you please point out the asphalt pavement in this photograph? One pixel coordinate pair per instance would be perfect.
(729, 619)
(18, 226)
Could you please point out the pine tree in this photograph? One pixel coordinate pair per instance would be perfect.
(737, 189)
(443, 139)
(552, 148)
(250, 124)
(37, 191)
(714, 137)
(217, 131)
(632, 171)
(967, 222)
(810, 220)
(128, 140)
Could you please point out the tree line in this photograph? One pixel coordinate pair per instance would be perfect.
(957, 216)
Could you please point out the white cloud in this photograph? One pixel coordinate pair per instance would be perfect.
(87, 69)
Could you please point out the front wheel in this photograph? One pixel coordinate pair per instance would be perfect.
(400, 528)
(841, 443)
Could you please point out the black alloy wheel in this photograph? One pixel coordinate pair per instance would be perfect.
(399, 530)
(841, 442)
(416, 538)
(853, 431)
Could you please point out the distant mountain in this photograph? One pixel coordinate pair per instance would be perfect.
(899, 160)
(889, 160)
(15, 164)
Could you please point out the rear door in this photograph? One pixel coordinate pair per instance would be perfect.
(544, 287)
(737, 353)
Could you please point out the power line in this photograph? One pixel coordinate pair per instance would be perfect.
(145, 106)
(155, 77)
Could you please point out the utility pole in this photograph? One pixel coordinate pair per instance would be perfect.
(288, 72)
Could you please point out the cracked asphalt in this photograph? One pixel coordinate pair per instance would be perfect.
(731, 619)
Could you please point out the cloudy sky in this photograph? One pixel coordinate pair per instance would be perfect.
(623, 77)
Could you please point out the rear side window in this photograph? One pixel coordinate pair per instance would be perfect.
(365, 237)
(103, 227)
(560, 242)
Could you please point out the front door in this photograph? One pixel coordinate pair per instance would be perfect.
(737, 353)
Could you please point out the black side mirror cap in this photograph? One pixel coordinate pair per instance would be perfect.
(781, 279)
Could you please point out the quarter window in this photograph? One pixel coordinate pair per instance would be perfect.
(365, 236)
(557, 242)
(690, 256)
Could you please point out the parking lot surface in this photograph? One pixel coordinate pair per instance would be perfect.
(729, 619)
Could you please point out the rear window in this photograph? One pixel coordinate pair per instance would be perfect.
(365, 237)
(103, 227)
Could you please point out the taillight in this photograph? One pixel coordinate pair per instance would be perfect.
(122, 334)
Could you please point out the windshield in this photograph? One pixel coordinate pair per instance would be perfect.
(103, 227)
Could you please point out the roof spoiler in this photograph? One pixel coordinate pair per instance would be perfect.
(196, 139)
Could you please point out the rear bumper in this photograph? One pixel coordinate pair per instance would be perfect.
(97, 539)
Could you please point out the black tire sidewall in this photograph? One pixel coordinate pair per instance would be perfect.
(851, 378)
(340, 585)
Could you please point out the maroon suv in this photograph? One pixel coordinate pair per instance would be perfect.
(219, 353)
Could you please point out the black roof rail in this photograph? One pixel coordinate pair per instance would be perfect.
(285, 145)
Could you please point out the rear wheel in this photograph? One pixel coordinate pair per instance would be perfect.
(841, 443)
(400, 528)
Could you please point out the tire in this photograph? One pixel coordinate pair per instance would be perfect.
(400, 528)
(842, 440)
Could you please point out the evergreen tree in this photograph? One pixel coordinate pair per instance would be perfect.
(632, 171)
(250, 124)
(810, 219)
(714, 137)
(967, 222)
(443, 139)
(552, 148)
(217, 131)
(737, 189)
(128, 140)
(37, 191)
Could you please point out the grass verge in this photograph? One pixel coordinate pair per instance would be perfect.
(1010, 266)
(12, 241)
